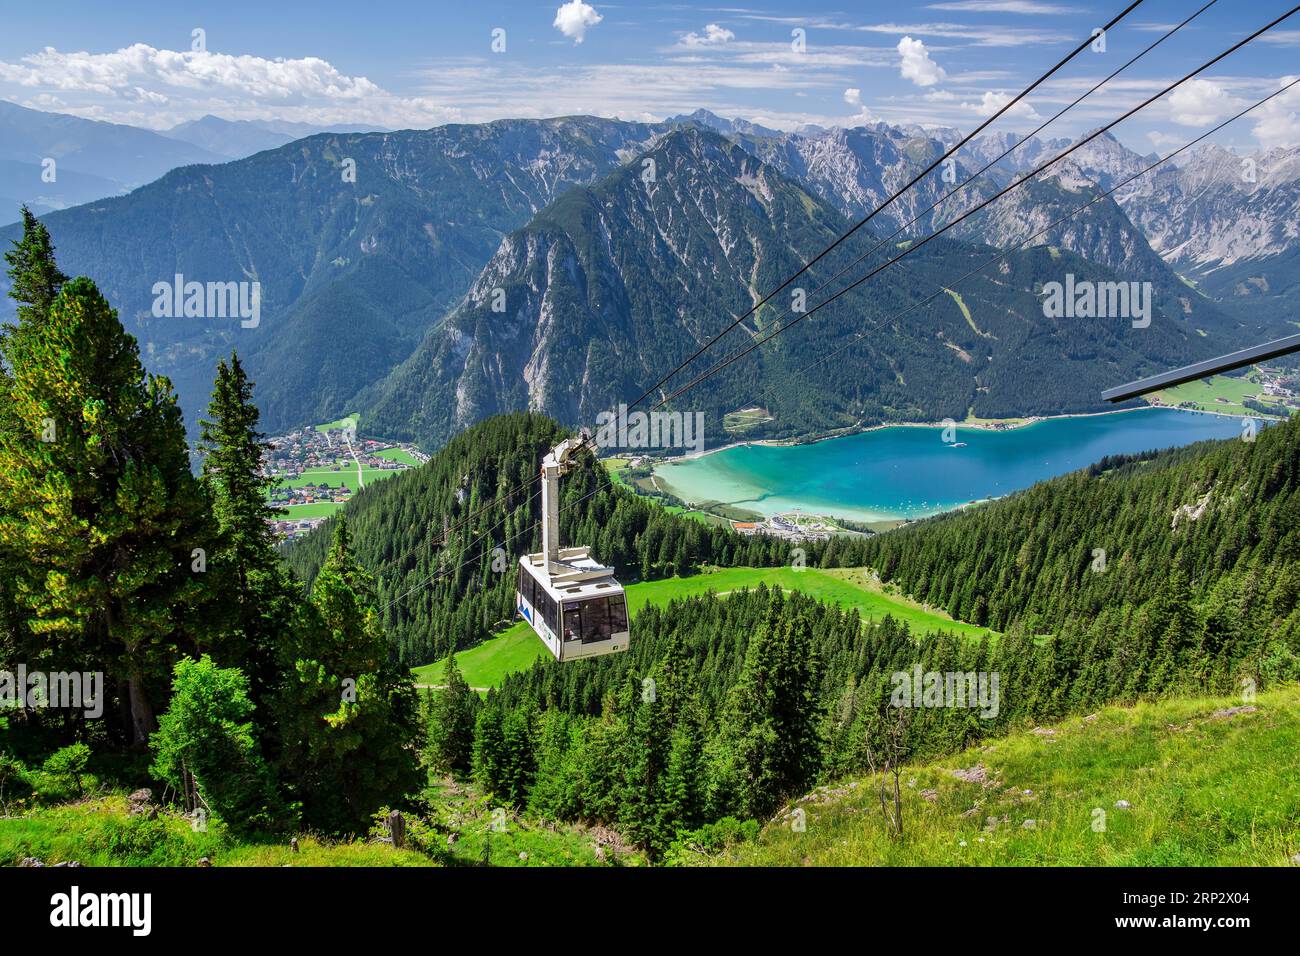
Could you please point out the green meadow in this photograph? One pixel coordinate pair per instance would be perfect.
(1181, 782)
(1219, 393)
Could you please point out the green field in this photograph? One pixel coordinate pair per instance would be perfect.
(617, 468)
(398, 454)
(335, 479)
(745, 418)
(99, 831)
(1204, 786)
(317, 509)
(517, 647)
(338, 425)
(1219, 393)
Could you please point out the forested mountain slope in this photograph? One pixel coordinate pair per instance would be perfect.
(1219, 520)
(438, 596)
(757, 698)
(360, 241)
(610, 287)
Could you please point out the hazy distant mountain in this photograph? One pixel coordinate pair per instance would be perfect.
(88, 155)
(235, 139)
(728, 127)
(23, 183)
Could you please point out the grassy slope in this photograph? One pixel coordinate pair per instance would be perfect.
(99, 832)
(338, 424)
(1204, 394)
(1203, 790)
(517, 647)
(398, 454)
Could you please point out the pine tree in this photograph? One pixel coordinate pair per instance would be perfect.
(35, 281)
(205, 748)
(103, 523)
(36, 276)
(519, 766)
(773, 715)
(451, 728)
(347, 715)
(489, 750)
(682, 805)
(258, 602)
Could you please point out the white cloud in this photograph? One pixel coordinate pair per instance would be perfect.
(853, 96)
(1165, 141)
(574, 18)
(145, 86)
(129, 67)
(714, 35)
(916, 64)
(1278, 122)
(940, 96)
(1282, 37)
(1027, 7)
(991, 102)
(1198, 102)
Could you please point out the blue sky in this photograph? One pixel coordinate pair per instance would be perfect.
(418, 64)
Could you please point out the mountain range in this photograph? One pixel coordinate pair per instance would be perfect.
(621, 247)
(93, 159)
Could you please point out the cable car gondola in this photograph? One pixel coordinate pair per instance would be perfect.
(570, 600)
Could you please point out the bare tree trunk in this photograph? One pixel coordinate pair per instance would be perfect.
(142, 718)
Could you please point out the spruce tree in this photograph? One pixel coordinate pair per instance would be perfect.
(772, 715)
(36, 278)
(451, 728)
(489, 750)
(104, 526)
(347, 716)
(258, 602)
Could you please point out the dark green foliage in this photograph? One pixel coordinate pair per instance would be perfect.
(453, 711)
(258, 604)
(34, 276)
(101, 517)
(65, 769)
(347, 716)
(771, 735)
(205, 748)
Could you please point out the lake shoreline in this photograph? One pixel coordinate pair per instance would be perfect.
(988, 424)
(1063, 442)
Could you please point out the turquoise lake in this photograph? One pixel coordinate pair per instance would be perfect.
(910, 472)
